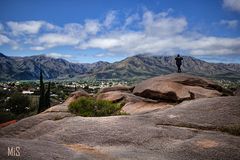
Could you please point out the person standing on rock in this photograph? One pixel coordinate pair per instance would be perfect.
(179, 62)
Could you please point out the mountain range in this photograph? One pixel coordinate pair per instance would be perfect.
(131, 68)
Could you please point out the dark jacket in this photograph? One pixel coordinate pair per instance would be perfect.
(178, 61)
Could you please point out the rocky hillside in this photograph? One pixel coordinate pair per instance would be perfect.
(28, 68)
(136, 67)
(144, 66)
(172, 117)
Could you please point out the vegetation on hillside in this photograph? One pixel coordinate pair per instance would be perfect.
(89, 107)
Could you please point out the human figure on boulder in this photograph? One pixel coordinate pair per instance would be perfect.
(179, 62)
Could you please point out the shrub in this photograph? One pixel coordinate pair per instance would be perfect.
(18, 103)
(6, 116)
(89, 107)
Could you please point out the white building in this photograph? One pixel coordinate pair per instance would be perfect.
(27, 92)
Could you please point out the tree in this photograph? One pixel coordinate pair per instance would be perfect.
(47, 97)
(75, 87)
(18, 103)
(44, 99)
(42, 94)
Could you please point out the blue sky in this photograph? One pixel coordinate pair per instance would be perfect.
(89, 31)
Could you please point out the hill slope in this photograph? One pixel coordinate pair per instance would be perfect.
(136, 67)
(142, 66)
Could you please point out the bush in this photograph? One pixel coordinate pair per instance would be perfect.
(89, 107)
(18, 103)
(6, 116)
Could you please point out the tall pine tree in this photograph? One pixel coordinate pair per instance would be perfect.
(47, 96)
(42, 94)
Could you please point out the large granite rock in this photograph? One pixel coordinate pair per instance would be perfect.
(163, 134)
(116, 88)
(124, 97)
(178, 87)
(132, 104)
(80, 93)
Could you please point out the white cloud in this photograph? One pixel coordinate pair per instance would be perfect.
(156, 36)
(135, 43)
(104, 55)
(109, 19)
(230, 23)
(130, 19)
(160, 25)
(54, 39)
(156, 33)
(58, 55)
(212, 46)
(37, 48)
(75, 29)
(92, 26)
(163, 34)
(103, 43)
(69, 35)
(118, 41)
(28, 27)
(232, 5)
(4, 39)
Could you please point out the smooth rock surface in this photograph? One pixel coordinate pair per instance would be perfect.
(144, 107)
(155, 135)
(178, 87)
(203, 113)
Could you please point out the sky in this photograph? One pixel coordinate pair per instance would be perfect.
(86, 31)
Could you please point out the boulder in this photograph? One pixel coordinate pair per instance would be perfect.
(116, 88)
(113, 96)
(79, 93)
(119, 96)
(178, 87)
(133, 104)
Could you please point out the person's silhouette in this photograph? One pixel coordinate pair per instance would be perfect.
(179, 63)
